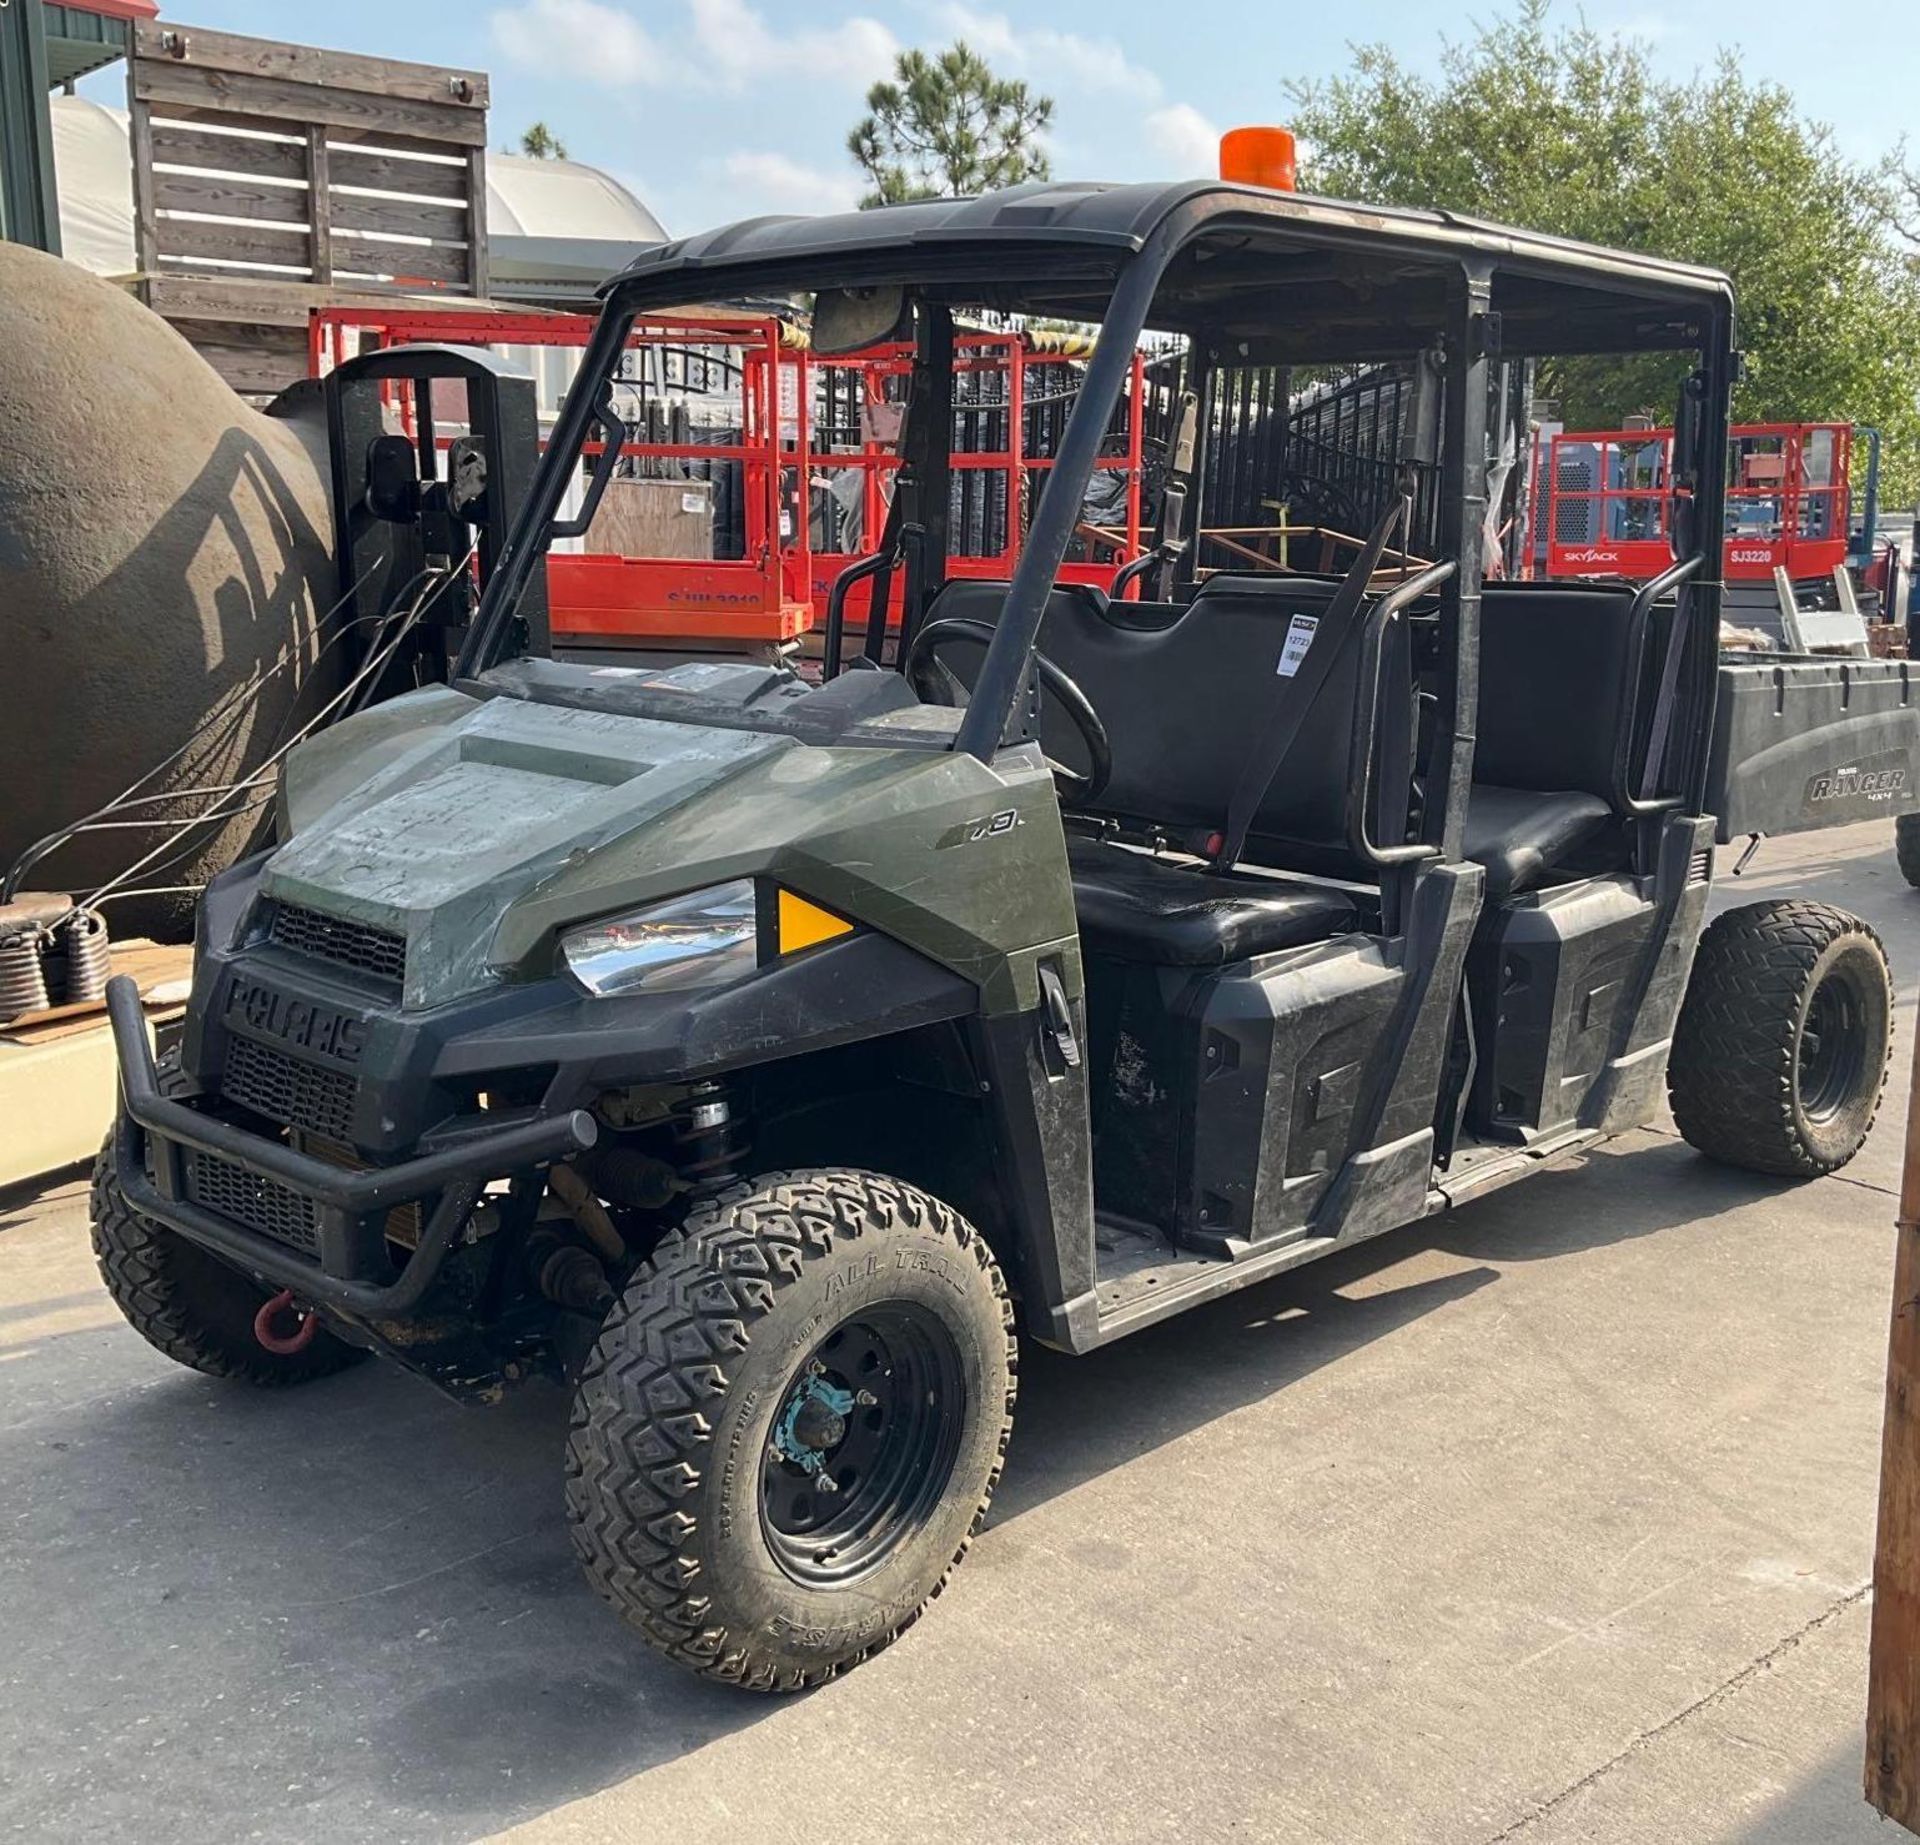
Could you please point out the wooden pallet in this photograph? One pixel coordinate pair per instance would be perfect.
(264, 171)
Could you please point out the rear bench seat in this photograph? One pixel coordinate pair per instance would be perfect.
(1183, 692)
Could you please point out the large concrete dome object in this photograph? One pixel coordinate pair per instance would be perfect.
(163, 549)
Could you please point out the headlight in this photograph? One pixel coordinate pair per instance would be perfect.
(698, 940)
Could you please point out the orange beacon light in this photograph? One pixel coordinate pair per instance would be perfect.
(1258, 157)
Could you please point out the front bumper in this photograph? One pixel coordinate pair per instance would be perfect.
(350, 1268)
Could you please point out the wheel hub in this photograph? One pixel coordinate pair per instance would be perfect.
(814, 1421)
(1830, 1056)
(862, 1444)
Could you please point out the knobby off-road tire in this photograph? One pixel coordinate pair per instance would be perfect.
(183, 1301)
(1906, 847)
(687, 1490)
(1782, 1046)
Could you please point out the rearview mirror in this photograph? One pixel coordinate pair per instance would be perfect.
(851, 319)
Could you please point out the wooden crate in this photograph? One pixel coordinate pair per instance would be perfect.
(654, 518)
(269, 178)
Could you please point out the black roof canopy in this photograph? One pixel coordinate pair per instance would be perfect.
(1262, 274)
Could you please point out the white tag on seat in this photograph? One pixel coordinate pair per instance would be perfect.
(1300, 633)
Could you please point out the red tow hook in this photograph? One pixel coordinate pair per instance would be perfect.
(285, 1345)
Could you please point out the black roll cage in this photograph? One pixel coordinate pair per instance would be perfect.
(1565, 299)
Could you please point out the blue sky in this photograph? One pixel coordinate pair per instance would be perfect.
(718, 109)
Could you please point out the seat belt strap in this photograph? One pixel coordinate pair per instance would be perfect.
(1303, 669)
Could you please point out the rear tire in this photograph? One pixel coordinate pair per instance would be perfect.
(1781, 1050)
(1906, 847)
(804, 1326)
(186, 1303)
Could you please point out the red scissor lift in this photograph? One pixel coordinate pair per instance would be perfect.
(776, 589)
(1609, 498)
(612, 597)
(999, 367)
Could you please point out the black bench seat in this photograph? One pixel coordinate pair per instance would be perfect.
(1168, 913)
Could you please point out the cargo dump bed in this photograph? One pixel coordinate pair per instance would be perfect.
(1805, 742)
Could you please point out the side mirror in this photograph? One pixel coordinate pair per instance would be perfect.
(851, 319)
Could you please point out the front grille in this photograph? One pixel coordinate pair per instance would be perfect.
(259, 1204)
(295, 1094)
(377, 953)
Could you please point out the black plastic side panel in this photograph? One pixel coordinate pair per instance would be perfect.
(1037, 1104)
(1386, 1185)
(1549, 979)
(1806, 743)
(1629, 1090)
(1318, 1080)
(1274, 1083)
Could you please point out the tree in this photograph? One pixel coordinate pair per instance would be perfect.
(1562, 129)
(946, 127)
(541, 143)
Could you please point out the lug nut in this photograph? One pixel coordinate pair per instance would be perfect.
(815, 1368)
(825, 1483)
(865, 1398)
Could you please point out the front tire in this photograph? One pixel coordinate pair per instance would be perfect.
(791, 1425)
(1781, 1049)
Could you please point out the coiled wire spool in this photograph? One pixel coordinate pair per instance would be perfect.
(81, 940)
(23, 974)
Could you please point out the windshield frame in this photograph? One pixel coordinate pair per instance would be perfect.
(1600, 300)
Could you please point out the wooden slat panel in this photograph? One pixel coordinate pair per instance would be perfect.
(346, 70)
(407, 261)
(427, 179)
(185, 86)
(374, 134)
(254, 369)
(352, 211)
(479, 281)
(267, 300)
(231, 198)
(278, 301)
(319, 184)
(186, 117)
(146, 237)
(175, 145)
(234, 243)
(380, 139)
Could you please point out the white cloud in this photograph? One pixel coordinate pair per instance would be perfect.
(579, 38)
(726, 45)
(772, 182)
(738, 46)
(1184, 139)
(1063, 59)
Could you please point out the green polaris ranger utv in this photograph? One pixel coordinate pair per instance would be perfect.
(759, 1053)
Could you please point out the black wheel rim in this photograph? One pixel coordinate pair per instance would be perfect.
(1832, 1048)
(876, 1410)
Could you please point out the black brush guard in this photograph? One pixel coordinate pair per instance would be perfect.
(154, 1136)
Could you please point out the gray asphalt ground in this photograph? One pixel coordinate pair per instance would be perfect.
(1549, 1522)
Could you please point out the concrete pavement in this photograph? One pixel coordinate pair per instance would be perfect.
(1551, 1521)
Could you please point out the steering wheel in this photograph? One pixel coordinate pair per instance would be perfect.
(936, 684)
